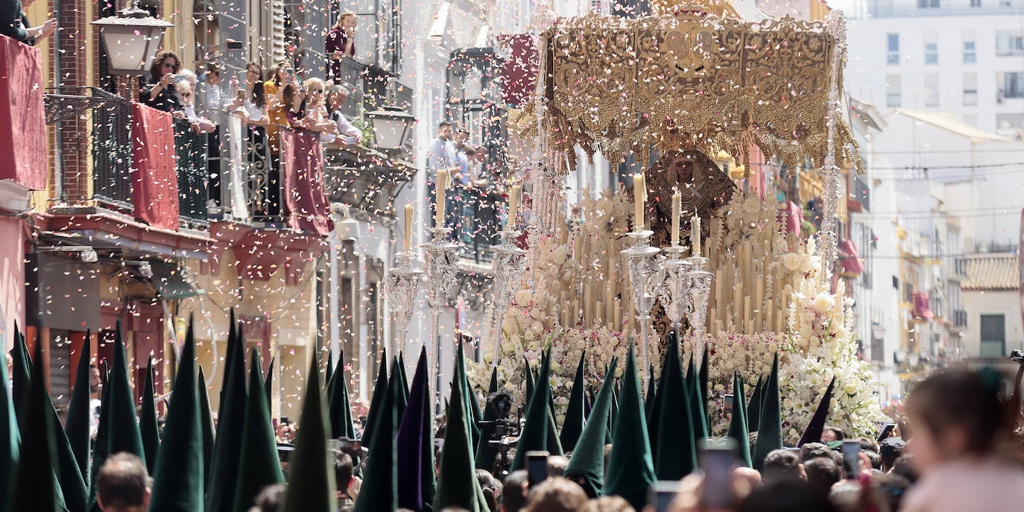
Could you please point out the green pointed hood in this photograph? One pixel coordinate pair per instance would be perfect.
(401, 373)
(311, 484)
(77, 424)
(35, 483)
(457, 485)
(268, 385)
(380, 478)
(472, 408)
(675, 452)
(10, 442)
(529, 379)
(652, 394)
(697, 415)
(534, 436)
(259, 465)
(572, 427)
(587, 461)
(554, 445)
(328, 374)
(703, 378)
(769, 428)
(72, 484)
(415, 444)
(631, 470)
(123, 428)
(21, 370)
(738, 424)
(206, 421)
(614, 414)
(812, 434)
(340, 409)
(401, 395)
(492, 387)
(377, 400)
(148, 427)
(227, 446)
(754, 406)
(178, 478)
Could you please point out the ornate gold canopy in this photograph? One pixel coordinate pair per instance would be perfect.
(694, 79)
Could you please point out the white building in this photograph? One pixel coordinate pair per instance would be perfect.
(963, 56)
(992, 297)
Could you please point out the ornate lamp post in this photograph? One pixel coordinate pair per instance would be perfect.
(131, 40)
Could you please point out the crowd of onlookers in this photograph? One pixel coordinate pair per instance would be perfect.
(957, 450)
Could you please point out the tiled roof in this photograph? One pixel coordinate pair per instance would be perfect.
(992, 272)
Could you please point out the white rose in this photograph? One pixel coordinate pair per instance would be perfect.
(752, 205)
(792, 262)
(560, 255)
(822, 303)
(523, 297)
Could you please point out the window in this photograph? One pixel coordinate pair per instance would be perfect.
(892, 91)
(1009, 121)
(993, 336)
(892, 56)
(927, 4)
(931, 90)
(970, 89)
(970, 49)
(1009, 43)
(931, 48)
(1011, 85)
(975, 3)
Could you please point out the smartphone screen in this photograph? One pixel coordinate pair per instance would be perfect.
(661, 494)
(536, 467)
(717, 462)
(886, 432)
(851, 458)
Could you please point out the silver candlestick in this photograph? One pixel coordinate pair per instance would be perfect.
(674, 293)
(509, 269)
(401, 288)
(441, 258)
(643, 276)
(700, 293)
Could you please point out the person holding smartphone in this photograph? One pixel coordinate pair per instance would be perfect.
(160, 92)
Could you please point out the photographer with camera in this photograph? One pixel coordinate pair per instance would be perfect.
(160, 92)
(500, 433)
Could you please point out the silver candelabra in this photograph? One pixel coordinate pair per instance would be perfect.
(643, 276)
(509, 267)
(674, 294)
(401, 288)
(441, 257)
(700, 294)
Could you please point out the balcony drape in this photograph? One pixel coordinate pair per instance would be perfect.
(155, 179)
(302, 166)
(22, 115)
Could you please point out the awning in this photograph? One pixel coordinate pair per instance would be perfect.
(170, 282)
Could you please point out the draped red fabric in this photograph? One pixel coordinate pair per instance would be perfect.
(849, 258)
(921, 307)
(520, 71)
(155, 179)
(302, 166)
(22, 115)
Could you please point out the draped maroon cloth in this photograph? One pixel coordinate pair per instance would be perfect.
(521, 68)
(22, 115)
(921, 308)
(155, 180)
(849, 258)
(302, 166)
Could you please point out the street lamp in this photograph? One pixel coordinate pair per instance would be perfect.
(392, 128)
(131, 39)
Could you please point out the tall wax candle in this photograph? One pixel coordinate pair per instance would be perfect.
(408, 227)
(439, 193)
(677, 207)
(639, 201)
(695, 235)
(513, 206)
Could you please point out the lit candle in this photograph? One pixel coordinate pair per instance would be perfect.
(695, 234)
(408, 227)
(513, 206)
(639, 201)
(442, 185)
(677, 206)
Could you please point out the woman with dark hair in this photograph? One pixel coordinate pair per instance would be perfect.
(14, 23)
(341, 41)
(961, 445)
(254, 102)
(160, 93)
(293, 97)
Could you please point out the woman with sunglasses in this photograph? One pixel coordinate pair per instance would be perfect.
(316, 112)
(160, 93)
(281, 76)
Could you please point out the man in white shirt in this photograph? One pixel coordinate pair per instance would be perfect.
(442, 155)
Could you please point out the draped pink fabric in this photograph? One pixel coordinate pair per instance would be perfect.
(155, 179)
(302, 166)
(22, 115)
(520, 70)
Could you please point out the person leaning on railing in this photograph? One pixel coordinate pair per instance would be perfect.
(160, 93)
(316, 112)
(14, 22)
(200, 124)
(253, 99)
(347, 133)
(281, 75)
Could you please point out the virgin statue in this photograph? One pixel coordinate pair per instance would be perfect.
(703, 186)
